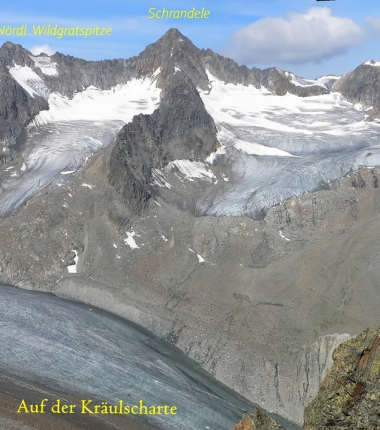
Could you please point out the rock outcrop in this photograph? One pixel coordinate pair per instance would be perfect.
(362, 85)
(349, 396)
(180, 129)
(257, 421)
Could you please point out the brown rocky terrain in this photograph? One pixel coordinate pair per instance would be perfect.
(257, 421)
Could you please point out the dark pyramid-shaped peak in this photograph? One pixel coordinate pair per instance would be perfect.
(174, 40)
(173, 52)
(173, 36)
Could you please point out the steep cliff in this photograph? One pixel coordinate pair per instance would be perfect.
(349, 395)
(17, 106)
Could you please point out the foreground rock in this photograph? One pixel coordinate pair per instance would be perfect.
(349, 396)
(257, 421)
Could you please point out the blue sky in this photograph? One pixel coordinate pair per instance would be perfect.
(307, 37)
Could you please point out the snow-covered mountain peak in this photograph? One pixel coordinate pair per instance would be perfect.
(372, 63)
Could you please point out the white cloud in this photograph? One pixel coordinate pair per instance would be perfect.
(296, 38)
(374, 24)
(37, 49)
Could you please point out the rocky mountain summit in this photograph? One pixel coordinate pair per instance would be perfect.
(245, 233)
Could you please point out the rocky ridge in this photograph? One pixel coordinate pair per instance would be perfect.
(173, 50)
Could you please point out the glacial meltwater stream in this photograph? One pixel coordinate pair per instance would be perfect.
(71, 348)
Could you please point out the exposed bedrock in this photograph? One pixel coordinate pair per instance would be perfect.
(17, 107)
(362, 85)
(349, 395)
(273, 79)
(179, 129)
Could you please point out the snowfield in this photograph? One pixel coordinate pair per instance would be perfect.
(272, 148)
(63, 138)
(283, 146)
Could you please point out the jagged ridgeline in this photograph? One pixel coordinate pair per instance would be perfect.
(73, 75)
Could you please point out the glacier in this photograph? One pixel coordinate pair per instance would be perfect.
(279, 147)
(63, 138)
(73, 348)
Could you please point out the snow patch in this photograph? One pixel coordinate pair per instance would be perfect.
(73, 267)
(159, 179)
(372, 63)
(30, 81)
(221, 150)
(191, 169)
(283, 237)
(45, 65)
(130, 241)
(121, 102)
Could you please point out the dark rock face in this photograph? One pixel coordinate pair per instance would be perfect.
(179, 129)
(349, 396)
(17, 107)
(257, 421)
(362, 86)
(174, 50)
